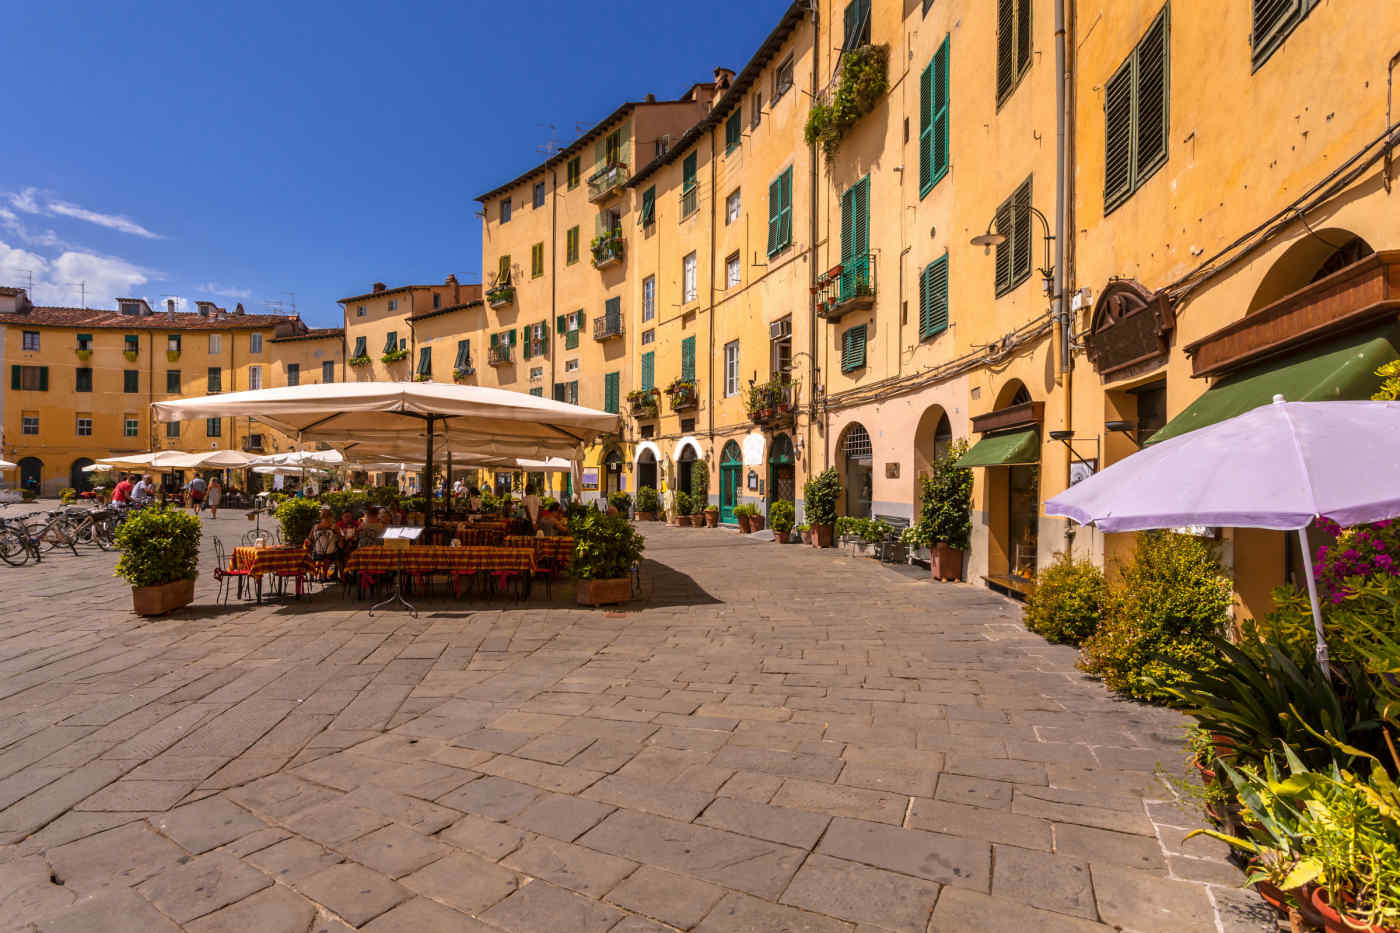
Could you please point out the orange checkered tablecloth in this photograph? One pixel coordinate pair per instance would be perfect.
(478, 535)
(437, 559)
(260, 560)
(559, 550)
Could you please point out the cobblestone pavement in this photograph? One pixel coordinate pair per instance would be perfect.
(777, 740)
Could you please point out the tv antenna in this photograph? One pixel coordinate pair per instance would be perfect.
(551, 145)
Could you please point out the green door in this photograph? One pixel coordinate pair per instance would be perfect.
(731, 470)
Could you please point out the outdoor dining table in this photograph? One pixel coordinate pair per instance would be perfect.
(557, 551)
(422, 560)
(479, 535)
(279, 561)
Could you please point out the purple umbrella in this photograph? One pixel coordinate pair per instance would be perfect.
(1278, 466)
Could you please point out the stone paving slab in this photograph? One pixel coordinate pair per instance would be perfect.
(775, 739)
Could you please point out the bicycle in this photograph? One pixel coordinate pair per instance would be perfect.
(48, 534)
(91, 526)
(15, 546)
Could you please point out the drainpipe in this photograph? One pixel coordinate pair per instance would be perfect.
(710, 377)
(812, 260)
(553, 288)
(150, 388)
(1063, 211)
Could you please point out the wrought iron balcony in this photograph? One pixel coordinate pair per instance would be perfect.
(683, 394)
(772, 402)
(644, 403)
(500, 295)
(607, 327)
(605, 181)
(500, 355)
(607, 250)
(847, 287)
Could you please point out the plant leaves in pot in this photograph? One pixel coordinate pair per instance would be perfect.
(605, 548)
(160, 559)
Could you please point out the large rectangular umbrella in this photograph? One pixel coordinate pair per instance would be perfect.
(395, 417)
(1277, 466)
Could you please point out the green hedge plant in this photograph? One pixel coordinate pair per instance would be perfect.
(1068, 601)
(648, 500)
(863, 82)
(820, 494)
(781, 516)
(159, 546)
(621, 501)
(297, 517)
(945, 501)
(605, 546)
(683, 502)
(1172, 600)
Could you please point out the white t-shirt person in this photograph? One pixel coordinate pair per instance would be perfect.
(532, 504)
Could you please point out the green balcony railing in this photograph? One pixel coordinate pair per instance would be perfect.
(849, 286)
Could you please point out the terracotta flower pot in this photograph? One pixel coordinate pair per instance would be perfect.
(756, 522)
(712, 519)
(821, 535)
(947, 562)
(612, 512)
(646, 516)
(603, 592)
(743, 521)
(158, 600)
(1333, 922)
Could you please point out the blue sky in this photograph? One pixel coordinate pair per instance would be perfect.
(240, 152)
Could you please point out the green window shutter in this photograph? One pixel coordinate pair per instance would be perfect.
(649, 206)
(933, 298)
(1006, 63)
(610, 392)
(425, 361)
(391, 341)
(847, 222)
(558, 391)
(360, 346)
(688, 359)
(511, 336)
(733, 132)
(1021, 255)
(561, 323)
(43, 379)
(525, 353)
(688, 170)
(853, 349)
(785, 222)
(582, 319)
(775, 206)
(462, 354)
(14, 378)
(495, 341)
(1023, 36)
(1118, 136)
(852, 11)
(926, 129)
(648, 370)
(938, 118)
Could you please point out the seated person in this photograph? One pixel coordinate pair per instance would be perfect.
(372, 528)
(323, 542)
(347, 529)
(552, 521)
(474, 501)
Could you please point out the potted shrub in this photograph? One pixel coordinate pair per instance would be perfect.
(781, 516)
(945, 513)
(648, 504)
(605, 548)
(711, 516)
(742, 515)
(820, 494)
(160, 559)
(620, 503)
(697, 510)
(297, 517)
(683, 504)
(756, 520)
(1067, 602)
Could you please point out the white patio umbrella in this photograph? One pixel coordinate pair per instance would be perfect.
(208, 460)
(1278, 466)
(398, 417)
(7, 465)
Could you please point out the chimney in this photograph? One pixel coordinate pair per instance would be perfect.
(239, 310)
(170, 306)
(378, 287)
(722, 77)
(650, 98)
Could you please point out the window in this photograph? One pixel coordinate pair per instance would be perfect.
(131, 426)
(216, 344)
(29, 422)
(84, 425)
(731, 368)
(437, 300)
(536, 339)
(649, 206)
(536, 373)
(537, 260)
(688, 359)
(571, 366)
(31, 340)
(690, 194)
(1013, 45)
(255, 441)
(662, 146)
(566, 392)
(255, 340)
(213, 427)
(780, 346)
(293, 374)
(255, 377)
(172, 343)
(360, 311)
(731, 207)
(1135, 116)
(571, 245)
(648, 370)
(503, 270)
(927, 4)
(853, 349)
(855, 235)
(393, 304)
(757, 116)
(29, 378)
(172, 381)
(84, 379)
(1013, 220)
(933, 120)
(573, 170)
(648, 298)
(537, 391)
(131, 343)
(780, 213)
(361, 348)
(172, 430)
(612, 385)
(216, 379)
(733, 131)
(933, 298)
(131, 380)
(648, 336)
(731, 270)
(1272, 23)
(391, 341)
(782, 78)
(538, 199)
(857, 24)
(85, 342)
(425, 362)
(505, 210)
(688, 278)
(463, 361)
(328, 371)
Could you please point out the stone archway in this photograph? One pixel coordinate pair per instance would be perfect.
(648, 473)
(1312, 258)
(31, 474)
(932, 439)
(856, 460)
(80, 481)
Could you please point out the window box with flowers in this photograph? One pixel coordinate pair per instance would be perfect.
(423, 377)
(643, 403)
(461, 373)
(172, 356)
(501, 292)
(84, 354)
(358, 361)
(130, 355)
(394, 356)
(770, 402)
(683, 395)
(607, 249)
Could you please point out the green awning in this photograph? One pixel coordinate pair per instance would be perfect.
(1010, 449)
(1341, 369)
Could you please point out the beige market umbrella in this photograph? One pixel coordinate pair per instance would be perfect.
(7, 465)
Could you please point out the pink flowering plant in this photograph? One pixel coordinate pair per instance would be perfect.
(1364, 551)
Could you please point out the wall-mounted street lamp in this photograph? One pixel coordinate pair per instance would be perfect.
(997, 238)
(1126, 428)
(1067, 438)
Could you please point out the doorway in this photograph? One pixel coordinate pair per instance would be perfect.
(646, 470)
(1023, 518)
(782, 471)
(683, 469)
(612, 473)
(860, 478)
(77, 479)
(31, 474)
(731, 476)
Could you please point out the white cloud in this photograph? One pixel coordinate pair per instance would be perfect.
(73, 277)
(28, 201)
(225, 291)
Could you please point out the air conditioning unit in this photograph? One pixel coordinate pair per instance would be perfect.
(780, 329)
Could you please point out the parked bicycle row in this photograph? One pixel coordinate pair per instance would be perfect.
(30, 536)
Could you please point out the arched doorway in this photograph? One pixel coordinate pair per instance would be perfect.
(79, 480)
(1309, 260)
(1014, 501)
(932, 440)
(646, 469)
(782, 471)
(612, 473)
(857, 459)
(684, 462)
(731, 477)
(31, 474)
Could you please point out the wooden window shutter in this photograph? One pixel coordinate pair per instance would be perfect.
(1003, 226)
(941, 105)
(933, 298)
(1151, 94)
(1118, 135)
(853, 348)
(847, 223)
(688, 170)
(529, 332)
(861, 227)
(561, 323)
(775, 210)
(43, 379)
(1272, 21)
(649, 206)
(1023, 36)
(425, 361)
(926, 129)
(688, 359)
(648, 370)
(559, 391)
(14, 378)
(1021, 256)
(733, 132)
(495, 341)
(1006, 64)
(504, 270)
(851, 24)
(610, 392)
(511, 334)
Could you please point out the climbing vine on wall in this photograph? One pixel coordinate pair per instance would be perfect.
(863, 82)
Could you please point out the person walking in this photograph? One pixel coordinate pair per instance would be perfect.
(196, 494)
(215, 496)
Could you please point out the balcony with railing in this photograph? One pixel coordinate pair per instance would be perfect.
(644, 403)
(500, 293)
(683, 395)
(607, 250)
(604, 182)
(690, 201)
(500, 355)
(608, 327)
(772, 402)
(847, 287)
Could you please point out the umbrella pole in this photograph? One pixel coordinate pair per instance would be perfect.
(428, 481)
(1316, 608)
